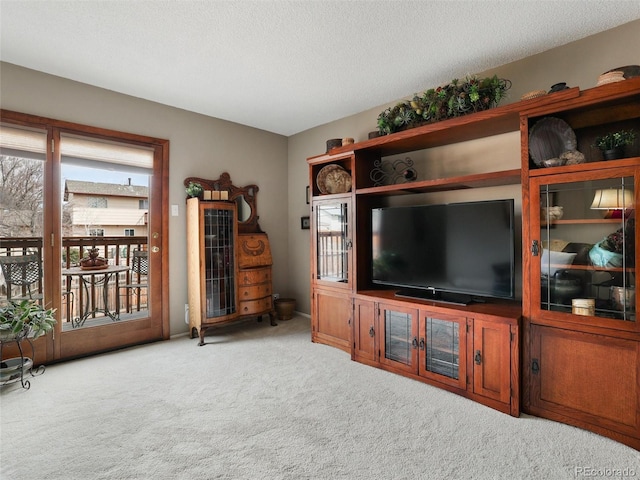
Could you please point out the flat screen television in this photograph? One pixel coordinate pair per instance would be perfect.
(457, 253)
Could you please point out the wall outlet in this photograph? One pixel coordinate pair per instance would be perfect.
(186, 313)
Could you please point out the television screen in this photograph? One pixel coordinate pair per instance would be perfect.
(450, 252)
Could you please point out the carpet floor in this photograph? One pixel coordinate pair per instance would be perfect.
(262, 402)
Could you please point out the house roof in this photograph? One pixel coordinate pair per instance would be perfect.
(286, 66)
(104, 189)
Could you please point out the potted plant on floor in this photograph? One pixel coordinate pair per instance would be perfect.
(613, 144)
(19, 320)
(22, 318)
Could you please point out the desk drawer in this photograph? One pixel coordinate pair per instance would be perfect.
(254, 276)
(249, 307)
(254, 292)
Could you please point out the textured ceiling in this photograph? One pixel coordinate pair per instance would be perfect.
(287, 66)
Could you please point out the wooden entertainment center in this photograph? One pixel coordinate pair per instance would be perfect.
(540, 354)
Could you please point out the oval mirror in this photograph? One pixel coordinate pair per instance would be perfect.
(244, 209)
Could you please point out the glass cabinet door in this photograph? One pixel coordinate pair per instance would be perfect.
(586, 248)
(219, 261)
(332, 241)
(399, 341)
(442, 348)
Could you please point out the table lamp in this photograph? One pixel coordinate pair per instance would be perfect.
(617, 202)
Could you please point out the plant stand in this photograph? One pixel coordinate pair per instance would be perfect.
(13, 370)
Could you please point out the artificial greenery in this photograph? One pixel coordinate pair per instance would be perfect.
(452, 100)
(194, 189)
(25, 317)
(614, 140)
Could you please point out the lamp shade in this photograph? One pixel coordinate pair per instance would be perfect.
(613, 199)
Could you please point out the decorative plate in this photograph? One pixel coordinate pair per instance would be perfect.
(550, 138)
(333, 179)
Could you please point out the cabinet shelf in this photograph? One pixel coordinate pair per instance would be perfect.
(592, 268)
(480, 180)
(585, 221)
(584, 167)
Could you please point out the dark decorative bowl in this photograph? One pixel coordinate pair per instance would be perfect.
(333, 143)
(558, 87)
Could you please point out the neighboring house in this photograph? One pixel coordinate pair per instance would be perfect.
(105, 209)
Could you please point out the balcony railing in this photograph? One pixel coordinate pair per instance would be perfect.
(91, 299)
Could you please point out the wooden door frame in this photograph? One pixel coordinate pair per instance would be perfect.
(158, 232)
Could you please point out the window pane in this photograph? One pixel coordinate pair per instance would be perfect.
(21, 212)
(101, 208)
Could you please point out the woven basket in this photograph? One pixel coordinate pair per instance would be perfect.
(533, 94)
(610, 77)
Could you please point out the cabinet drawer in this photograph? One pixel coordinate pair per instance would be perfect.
(254, 292)
(249, 307)
(254, 276)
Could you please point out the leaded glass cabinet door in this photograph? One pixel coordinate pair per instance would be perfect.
(443, 348)
(399, 340)
(332, 239)
(219, 259)
(583, 248)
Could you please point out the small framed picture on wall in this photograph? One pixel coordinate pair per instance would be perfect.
(305, 223)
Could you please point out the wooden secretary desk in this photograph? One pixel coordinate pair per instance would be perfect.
(228, 257)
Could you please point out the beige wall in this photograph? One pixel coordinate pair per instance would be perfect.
(205, 146)
(200, 146)
(578, 64)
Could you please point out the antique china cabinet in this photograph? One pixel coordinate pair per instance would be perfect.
(228, 258)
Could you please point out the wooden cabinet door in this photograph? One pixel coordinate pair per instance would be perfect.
(364, 331)
(491, 358)
(398, 341)
(443, 348)
(331, 322)
(592, 379)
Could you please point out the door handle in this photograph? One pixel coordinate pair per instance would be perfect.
(155, 249)
(478, 357)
